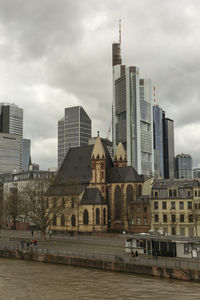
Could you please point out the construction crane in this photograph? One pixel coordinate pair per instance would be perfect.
(109, 130)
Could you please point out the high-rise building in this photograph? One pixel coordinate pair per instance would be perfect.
(74, 130)
(158, 141)
(26, 154)
(183, 166)
(11, 121)
(9, 153)
(196, 173)
(132, 120)
(168, 147)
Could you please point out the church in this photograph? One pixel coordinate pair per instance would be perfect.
(99, 194)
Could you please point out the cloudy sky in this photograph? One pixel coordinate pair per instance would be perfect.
(55, 54)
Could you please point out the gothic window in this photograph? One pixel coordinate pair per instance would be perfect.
(62, 220)
(85, 217)
(73, 221)
(97, 216)
(129, 194)
(139, 190)
(118, 203)
(104, 216)
(54, 220)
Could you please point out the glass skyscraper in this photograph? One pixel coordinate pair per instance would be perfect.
(74, 130)
(132, 119)
(183, 166)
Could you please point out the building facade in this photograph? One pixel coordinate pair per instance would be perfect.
(132, 120)
(9, 152)
(183, 166)
(196, 173)
(175, 207)
(74, 130)
(158, 141)
(107, 194)
(11, 121)
(168, 147)
(26, 154)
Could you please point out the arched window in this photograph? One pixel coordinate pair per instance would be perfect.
(104, 216)
(118, 203)
(139, 190)
(54, 220)
(62, 220)
(129, 194)
(73, 221)
(97, 216)
(47, 203)
(85, 217)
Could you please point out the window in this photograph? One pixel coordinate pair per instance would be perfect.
(173, 218)
(182, 231)
(62, 220)
(145, 221)
(138, 221)
(54, 220)
(104, 216)
(73, 221)
(47, 203)
(190, 218)
(63, 202)
(156, 194)
(191, 231)
(155, 205)
(170, 193)
(173, 231)
(199, 193)
(189, 204)
(182, 218)
(195, 193)
(97, 216)
(54, 202)
(132, 221)
(156, 218)
(173, 205)
(164, 205)
(188, 193)
(164, 218)
(145, 209)
(102, 174)
(118, 203)
(181, 205)
(139, 190)
(186, 249)
(175, 193)
(85, 217)
(129, 193)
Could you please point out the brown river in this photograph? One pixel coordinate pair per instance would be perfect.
(20, 279)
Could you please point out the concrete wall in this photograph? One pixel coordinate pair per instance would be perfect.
(169, 273)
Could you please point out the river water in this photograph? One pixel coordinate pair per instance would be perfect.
(21, 279)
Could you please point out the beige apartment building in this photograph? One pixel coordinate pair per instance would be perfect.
(175, 207)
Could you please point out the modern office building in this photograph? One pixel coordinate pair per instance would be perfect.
(132, 120)
(158, 141)
(183, 166)
(9, 153)
(26, 154)
(168, 147)
(74, 130)
(196, 173)
(11, 121)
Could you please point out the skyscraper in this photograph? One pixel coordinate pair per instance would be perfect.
(158, 141)
(183, 166)
(26, 154)
(11, 121)
(74, 130)
(9, 152)
(132, 120)
(168, 147)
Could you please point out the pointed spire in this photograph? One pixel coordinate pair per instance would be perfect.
(98, 150)
(120, 156)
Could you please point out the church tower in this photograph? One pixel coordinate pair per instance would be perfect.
(98, 159)
(120, 159)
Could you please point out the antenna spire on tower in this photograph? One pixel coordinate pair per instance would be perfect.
(120, 31)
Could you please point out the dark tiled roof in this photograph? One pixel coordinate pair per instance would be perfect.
(92, 196)
(64, 190)
(179, 183)
(123, 174)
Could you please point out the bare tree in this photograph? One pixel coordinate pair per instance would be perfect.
(12, 206)
(37, 206)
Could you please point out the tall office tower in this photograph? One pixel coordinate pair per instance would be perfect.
(168, 147)
(196, 173)
(183, 166)
(26, 154)
(9, 153)
(132, 114)
(74, 130)
(158, 141)
(11, 121)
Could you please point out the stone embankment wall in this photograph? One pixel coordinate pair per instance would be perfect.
(170, 273)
